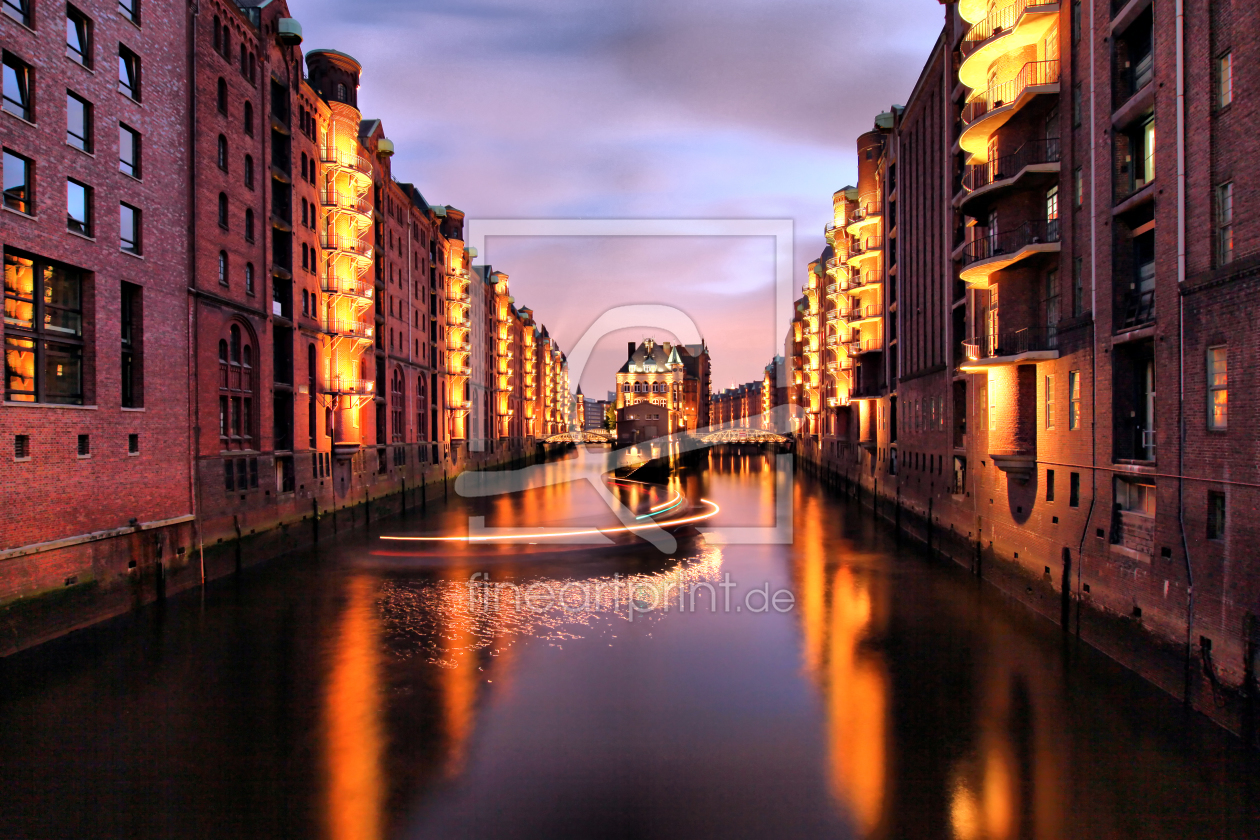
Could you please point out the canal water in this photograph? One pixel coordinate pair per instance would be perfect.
(831, 685)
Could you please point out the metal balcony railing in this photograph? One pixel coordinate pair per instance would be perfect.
(331, 197)
(340, 326)
(865, 345)
(346, 244)
(1008, 242)
(351, 286)
(1008, 166)
(349, 385)
(345, 160)
(1013, 343)
(1000, 22)
(864, 279)
(1033, 74)
(861, 313)
(866, 211)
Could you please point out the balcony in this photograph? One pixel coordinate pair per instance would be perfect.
(835, 264)
(342, 327)
(859, 346)
(351, 246)
(991, 253)
(868, 214)
(1036, 157)
(349, 385)
(863, 249)
(833, 315)
(1138, 308)
(989, 110)
(860, 314)
(345, 161)
(846, 362)
(865, 281)
(1009, 348)
(348, 286)
(1018, 25)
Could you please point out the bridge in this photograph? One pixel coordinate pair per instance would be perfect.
(586, 436)
(742, 436)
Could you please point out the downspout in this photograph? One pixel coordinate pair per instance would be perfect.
(1093, 321)
(1181, 337)
(194, 464)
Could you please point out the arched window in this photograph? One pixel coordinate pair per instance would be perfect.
(249, 278)
(234, 346)
(236, 395)
(227, 43)
(223, 211)
(341, 92)
(249, 171)
(244, 66)
(397, 398)
(249, 118)
(249, 225)
(222, 96)
(252, 69)
(218, 34)
(223, 351)
(223, 268)
(304, 223)
(223, 154)
(625, 388)
(304, 165)
(305, 259)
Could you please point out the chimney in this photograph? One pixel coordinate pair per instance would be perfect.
(630, 348)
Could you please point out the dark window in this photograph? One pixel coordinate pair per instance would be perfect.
(236, 387)
(128, 73)
(249, 171)
(18, 82)
(128, 151)
(223, 153)
(1049, 485)
(1074, 490)
(249, 118)
(43, 332)
(218, 35)
(85, 446)
(249, 278)
(79, 208)
(18, 193)
(21, 446)
(133, 444)
(78, 122)
(132, 334)
(222, 96)
(223, 210)
(223, 268)
(249, 225)
(129, 228)
(78, 36)
(19, 10)
(1215, 515)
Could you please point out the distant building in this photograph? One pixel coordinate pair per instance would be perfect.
(673, 377)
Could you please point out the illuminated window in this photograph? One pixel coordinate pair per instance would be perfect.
(43, 332)
(1218, 388)
(1074, 399)
(992, 405)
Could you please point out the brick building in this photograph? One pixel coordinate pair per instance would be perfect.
(242, 322)
(95, 233)
(672, 376)
(1064, 306)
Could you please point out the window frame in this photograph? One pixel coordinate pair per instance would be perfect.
(19, 11)
(130, 9)
(135, 166)
(1074, 400)
(1216, 516)
(1048, 401)
(1223, 94)
(137, 240)
(28, 167)
(89, 128)
(1217, 411)
(44, 340)
(83, 28)
(86, 226)
(130, 64)
(1224, 212)
(24, 77)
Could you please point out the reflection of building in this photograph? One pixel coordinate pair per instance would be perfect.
(740, 406)
(673, 377)
(1040, 326)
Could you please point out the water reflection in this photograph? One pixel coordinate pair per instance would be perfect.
(840, 620)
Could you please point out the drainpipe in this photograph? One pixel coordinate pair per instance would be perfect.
(193, 334)
(1093, 307)
(1181, 337)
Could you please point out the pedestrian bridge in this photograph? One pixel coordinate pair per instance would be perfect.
(587, 436)
(742, 436)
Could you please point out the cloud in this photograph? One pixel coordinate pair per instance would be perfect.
(642, 109)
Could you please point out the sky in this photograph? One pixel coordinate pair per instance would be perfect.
(638, 109)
